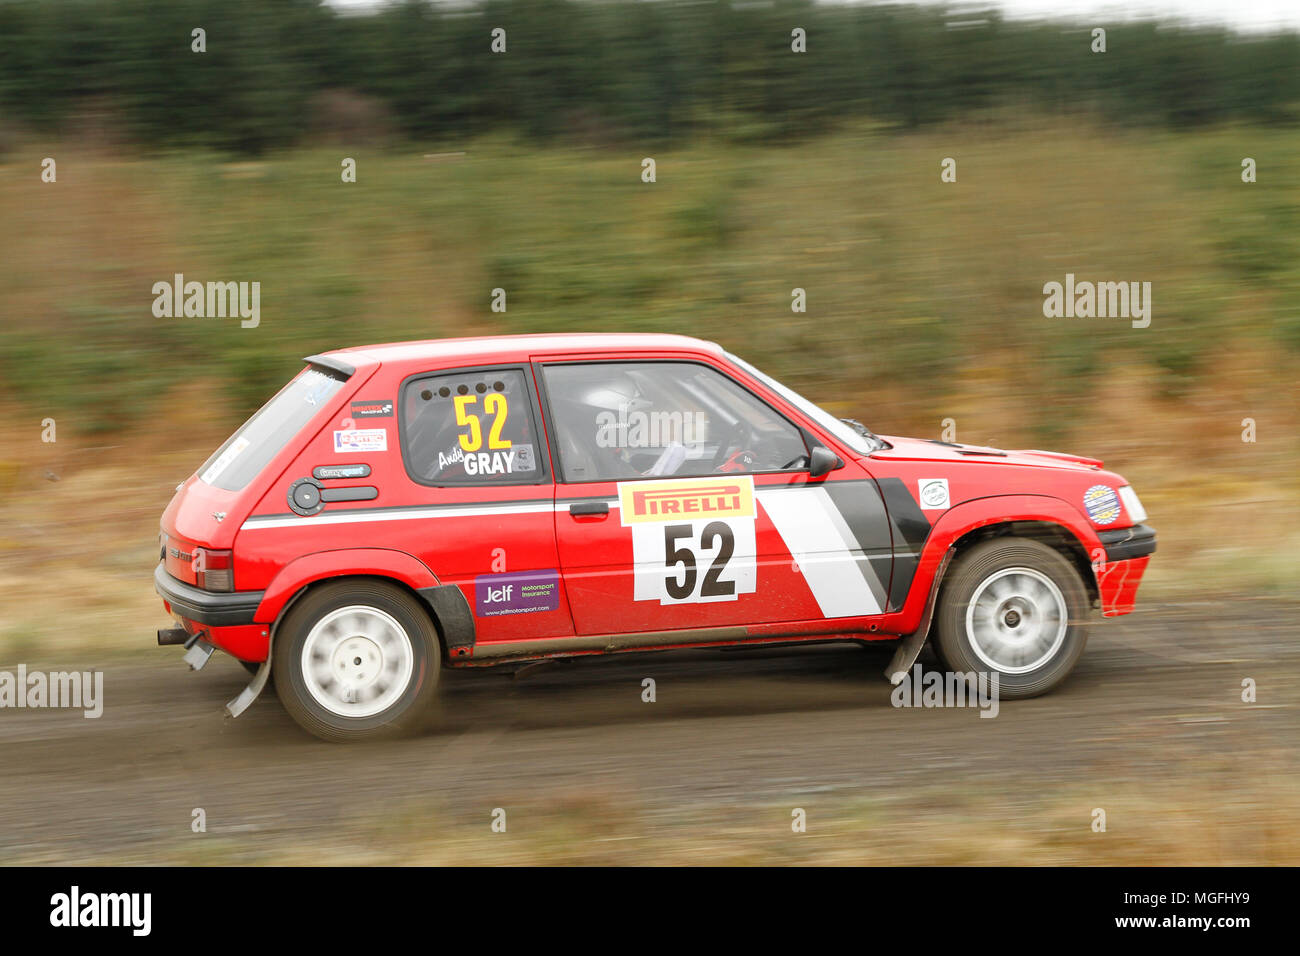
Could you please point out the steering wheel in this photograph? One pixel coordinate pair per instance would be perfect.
(738, 437)
(743, 460)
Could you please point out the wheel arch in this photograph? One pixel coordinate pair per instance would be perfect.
(1040, 517)
(1053, 534)
(445, 604)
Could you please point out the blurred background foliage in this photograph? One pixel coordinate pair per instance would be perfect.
(607, 70)
(522, 171)
(775, 171)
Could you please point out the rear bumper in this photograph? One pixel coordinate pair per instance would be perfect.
(206, 607)
(1128, 543)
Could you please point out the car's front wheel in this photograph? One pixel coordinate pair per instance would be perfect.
(1014, 607)
(356, 660)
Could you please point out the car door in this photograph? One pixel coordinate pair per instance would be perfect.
(472, 441)
(684, 503)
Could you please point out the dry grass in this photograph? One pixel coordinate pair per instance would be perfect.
(1220, 821)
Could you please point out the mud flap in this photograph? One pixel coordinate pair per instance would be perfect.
(198, 653)
(908, 651)
(255, 687)
(250, 693)
(910, 647)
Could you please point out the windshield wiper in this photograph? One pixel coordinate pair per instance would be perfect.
(863, 430)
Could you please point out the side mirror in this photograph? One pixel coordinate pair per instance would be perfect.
(822, 461)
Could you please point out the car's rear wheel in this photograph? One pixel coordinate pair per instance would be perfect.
(1015, 607)
(357, 659)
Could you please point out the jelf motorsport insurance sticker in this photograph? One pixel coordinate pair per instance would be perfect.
(520, 593)
(1102, 504)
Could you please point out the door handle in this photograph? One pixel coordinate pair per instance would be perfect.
(578, 509)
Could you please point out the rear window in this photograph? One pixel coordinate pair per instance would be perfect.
(248, 450)
(474, 426)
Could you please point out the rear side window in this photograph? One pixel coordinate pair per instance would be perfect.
(474, 426)
(248, 450)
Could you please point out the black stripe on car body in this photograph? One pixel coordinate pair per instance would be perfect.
(864, 514)
(911, 528)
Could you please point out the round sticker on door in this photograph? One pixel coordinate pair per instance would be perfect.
(1102, 504)
(933, 492)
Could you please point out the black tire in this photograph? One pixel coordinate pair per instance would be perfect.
(930, 657)
(1009, 565)
(400, 621)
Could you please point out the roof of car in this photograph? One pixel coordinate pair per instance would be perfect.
(498, 348)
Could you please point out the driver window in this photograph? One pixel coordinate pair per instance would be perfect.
(620, 420)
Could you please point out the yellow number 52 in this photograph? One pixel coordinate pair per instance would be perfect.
(495, 405)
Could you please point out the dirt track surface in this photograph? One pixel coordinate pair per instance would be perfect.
(1155, 704)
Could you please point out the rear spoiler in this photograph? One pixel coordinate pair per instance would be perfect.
(331, 364)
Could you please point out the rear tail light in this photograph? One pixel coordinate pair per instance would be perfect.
(213, 570)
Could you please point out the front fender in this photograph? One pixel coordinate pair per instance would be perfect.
(373, 562)
(981, 512)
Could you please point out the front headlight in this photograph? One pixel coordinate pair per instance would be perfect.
(1131, 504)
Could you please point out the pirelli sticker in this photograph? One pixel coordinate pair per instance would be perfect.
(686, 499)
(693, 539)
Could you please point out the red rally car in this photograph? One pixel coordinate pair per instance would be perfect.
(397, 509)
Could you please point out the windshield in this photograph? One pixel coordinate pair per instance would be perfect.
(248, 450)
(851, 436)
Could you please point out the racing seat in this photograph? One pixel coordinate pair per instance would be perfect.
(669, 460)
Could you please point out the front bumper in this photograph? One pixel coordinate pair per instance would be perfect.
(206, 607)
(1125, 544)
(1128, 551)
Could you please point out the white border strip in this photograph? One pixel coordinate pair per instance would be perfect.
(410, 514)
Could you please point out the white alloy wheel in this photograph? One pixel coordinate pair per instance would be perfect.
(357, 661)
(1016, 620)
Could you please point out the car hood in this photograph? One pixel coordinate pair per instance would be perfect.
(917, 449)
